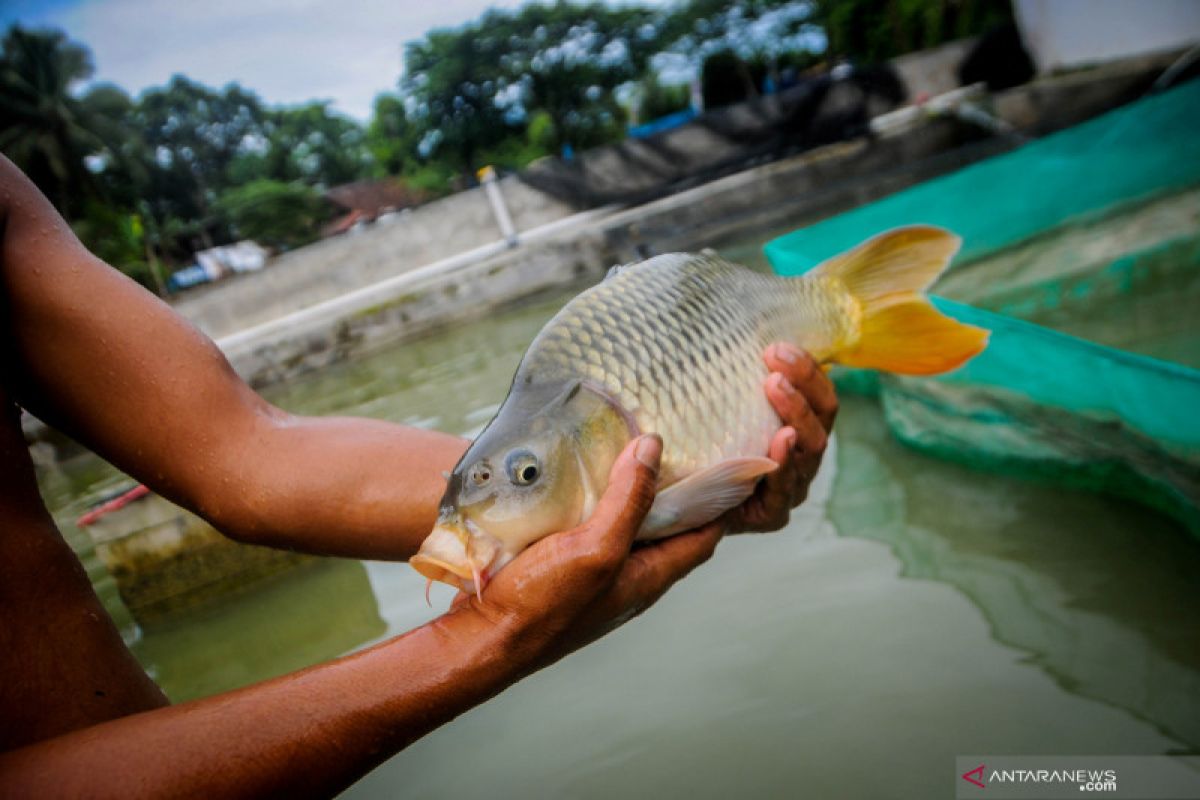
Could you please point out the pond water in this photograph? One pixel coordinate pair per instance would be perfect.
(912, 611)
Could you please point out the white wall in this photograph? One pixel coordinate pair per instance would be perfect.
(1068, 33)
(341, 264)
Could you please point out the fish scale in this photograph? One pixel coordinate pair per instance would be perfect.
(687, 333)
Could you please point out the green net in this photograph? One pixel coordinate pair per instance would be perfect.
(1143, 148)
(1120, 190)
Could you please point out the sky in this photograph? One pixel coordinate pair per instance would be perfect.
(287, 51)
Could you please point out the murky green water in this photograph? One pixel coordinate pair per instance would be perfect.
(912, 611)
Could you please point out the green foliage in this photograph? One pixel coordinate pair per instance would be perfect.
(550, 74)
(165, 160)
(435, 178)
(313, 144)
(118, 237)
(274, 213)
(513, 154)
(195, 134)
(391, 139)
(657, 100)
(197, 166)
(876, 30)
(475, 86)
(48, 132)
(541, 132)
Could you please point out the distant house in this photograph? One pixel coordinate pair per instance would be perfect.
(364, 202)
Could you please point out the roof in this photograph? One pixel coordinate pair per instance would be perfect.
(375, 197)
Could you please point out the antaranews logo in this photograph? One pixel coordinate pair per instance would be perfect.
(975, 776)
(1001, 777)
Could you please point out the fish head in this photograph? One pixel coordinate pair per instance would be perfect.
(538, 468)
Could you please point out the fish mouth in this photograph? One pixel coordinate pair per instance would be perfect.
(453, 555)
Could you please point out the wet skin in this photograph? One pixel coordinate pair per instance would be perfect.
(90, 352)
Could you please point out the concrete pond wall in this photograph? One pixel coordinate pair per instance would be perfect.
(392, 246)
(164, 559)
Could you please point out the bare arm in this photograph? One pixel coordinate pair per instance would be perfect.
(315, 732)
(93, 353)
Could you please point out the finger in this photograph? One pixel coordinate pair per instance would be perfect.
(791, 406)
(811, 441)
(650, 571)
(803, 372)
(780, 489)
(768, 508)
(781, 447)
(628, 498)
(806, 456)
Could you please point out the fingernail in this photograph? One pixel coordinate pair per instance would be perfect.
(787, 353)
(784, 385)
(790, 439)
(649, 451)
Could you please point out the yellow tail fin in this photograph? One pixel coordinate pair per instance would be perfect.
(899, 330)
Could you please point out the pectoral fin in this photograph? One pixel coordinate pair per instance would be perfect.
(703, 496)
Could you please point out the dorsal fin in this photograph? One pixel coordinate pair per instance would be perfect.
(614, 270)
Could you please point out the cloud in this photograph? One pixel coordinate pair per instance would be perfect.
(288, 51)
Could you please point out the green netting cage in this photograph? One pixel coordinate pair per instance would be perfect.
(1094, 232)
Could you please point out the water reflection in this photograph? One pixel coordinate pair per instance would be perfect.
(313, 614)
(1103, 594)
(451, 381)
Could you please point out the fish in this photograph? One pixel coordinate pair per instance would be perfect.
(673, 345)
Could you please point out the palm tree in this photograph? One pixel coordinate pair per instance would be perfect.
(44, 128)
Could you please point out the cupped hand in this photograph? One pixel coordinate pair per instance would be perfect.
(571, 588)
(803, 396)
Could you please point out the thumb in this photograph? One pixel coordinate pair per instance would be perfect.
(629, 495)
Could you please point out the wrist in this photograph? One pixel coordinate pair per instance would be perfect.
(489, 637)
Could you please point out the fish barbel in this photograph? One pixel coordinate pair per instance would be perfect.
(673, 345)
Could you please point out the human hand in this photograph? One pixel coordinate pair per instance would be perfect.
(803, 396)
(571, 588)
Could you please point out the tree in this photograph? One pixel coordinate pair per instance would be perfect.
(48, 132)
(195, 135)
(312, 144)
(472, 90)
(452, 76)
(274, 213)
(569, 61)
(473, 87)
(391, 138)
(657, 100)
(876, 30)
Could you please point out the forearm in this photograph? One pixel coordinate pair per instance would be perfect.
(336, 486)
(308, 734)
(94, 354)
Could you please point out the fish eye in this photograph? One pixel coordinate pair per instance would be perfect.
(523, 467)
(481, 473)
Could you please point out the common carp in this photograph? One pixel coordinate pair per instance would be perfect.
(673, 345)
